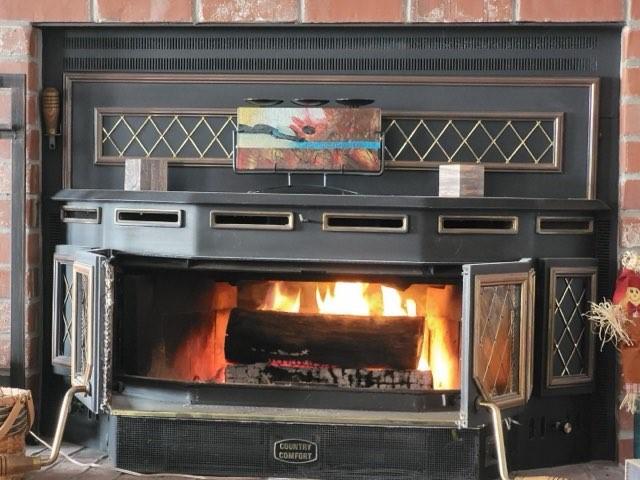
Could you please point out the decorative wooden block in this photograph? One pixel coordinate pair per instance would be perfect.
(461, 180)
(145, 174)
(632, 470)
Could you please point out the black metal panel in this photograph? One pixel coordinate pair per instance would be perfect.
(551, 431)
(572, 102)
(346, 452)
(308, 242)
(386, 49)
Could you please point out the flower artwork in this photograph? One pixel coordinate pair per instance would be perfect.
(324, 140)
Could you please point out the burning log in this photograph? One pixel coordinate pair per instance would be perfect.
(267, 374)
(347, 341)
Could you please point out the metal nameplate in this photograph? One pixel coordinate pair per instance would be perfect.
(294, 450)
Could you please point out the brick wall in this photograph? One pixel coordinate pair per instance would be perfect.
(20, 53)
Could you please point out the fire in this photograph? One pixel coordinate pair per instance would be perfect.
(347, 298)
(279, 300)
(201, 355)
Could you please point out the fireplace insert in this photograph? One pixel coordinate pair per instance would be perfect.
(335, 326)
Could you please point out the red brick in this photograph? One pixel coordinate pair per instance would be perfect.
(45, 10)
(462, 11)
(571, 11)
(5, 283)
(625, 449)
(32, 283)
(630, 119)
(32, 110)
(32, 352)
(5, 248)
(630, 195)
(5, 106)
(5, 176)
(5, 316)
(630, 43)
(33, 248)
(5, 213)
(630, 81)
(18, 40)
(630, 232)
(33, 178)
(5, 350)
(33, 144)
(143, 11)
(255, 11)
(32, 213)
(634, 9)
(33, 382)
(353, 11)
(32, 317)
(5, 149)
(26, 67)
(630, 157)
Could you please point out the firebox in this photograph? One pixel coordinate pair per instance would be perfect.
(329, 324)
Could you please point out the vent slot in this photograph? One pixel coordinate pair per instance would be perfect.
(252, 220)
(368, 223)
(80, 215)
(564, 225)
(148, 218)
(478, 225)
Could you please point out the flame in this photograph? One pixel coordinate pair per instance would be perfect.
(347, 298)
(280, 301)
(341, 298)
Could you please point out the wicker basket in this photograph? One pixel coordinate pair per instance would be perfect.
(16, 418)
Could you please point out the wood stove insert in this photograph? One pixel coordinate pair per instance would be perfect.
(169, 270)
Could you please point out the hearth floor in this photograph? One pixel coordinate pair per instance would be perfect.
(65, 470)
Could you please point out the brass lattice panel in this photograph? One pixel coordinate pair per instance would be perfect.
(508, 141)
(498, 339)
(62, 325)
(570, 340)
(497, 141)
(191, 137)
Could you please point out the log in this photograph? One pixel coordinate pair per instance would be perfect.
(346, 341)
(267, 374)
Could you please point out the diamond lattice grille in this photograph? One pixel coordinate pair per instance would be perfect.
(498, 346)
(174, 137)
(64, 334)
(570, 336)
(482, 141)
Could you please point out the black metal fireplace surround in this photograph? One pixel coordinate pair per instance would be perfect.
(161, 295)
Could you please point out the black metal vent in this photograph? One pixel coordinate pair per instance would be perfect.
(196, 41)
(344, 452)
(326, 49)
(603, 254)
